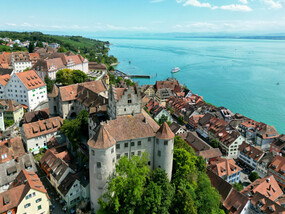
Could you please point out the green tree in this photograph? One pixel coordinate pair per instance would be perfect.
(40, 44)
(179, 143)
(49, 83)
(125, 189)
(214, 143)
(238, 186)
(152, 198)
(64, 76)
(61, 50)
(180, 119)
(111, 68)
(78, 76)
(31, 47)
(8, 123)
(253, 176)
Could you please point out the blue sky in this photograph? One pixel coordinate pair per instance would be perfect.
(144, 16)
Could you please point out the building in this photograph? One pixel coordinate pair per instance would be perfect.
(11, 149)
(265, 135)
(148, 90)
(209, 155)
(277, 169)
(162, 96)
(36, 134)
(96, 67)
(11, 110)
(267, 186)
(176, 128)
(68, 101)
(20, 61)
(4, 79)
(131, 131)
(194, 120)
(168, 83)
(232, 200)
(53, 45)
(26, 194)
(250, 155)
(26, 88)
(226, 169)
(229, 143)
(33, 116)
(157, 111)
(262, 165)
(277, 147)
(203, 125)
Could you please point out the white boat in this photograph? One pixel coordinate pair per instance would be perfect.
(175, 70)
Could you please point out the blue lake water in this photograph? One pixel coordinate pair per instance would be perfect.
(238, 74)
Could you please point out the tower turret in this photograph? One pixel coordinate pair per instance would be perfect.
(163, 149)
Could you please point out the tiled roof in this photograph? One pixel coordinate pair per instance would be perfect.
(165, 132)
(21, 57)
(10, 105)
(174, 127)
(166, 84)
(4, 79)
(267, 186)
(30, 79)
(251, 151)
(13, 148)
(278, 164)
(279, 142)
(266, 205)
(102, 139)
(196, 142)
(42, 127)
(211, 153)
(96, 66)
(54, 92)
(34, 116)
(223, 166)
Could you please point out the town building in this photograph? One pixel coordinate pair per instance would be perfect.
(20, 61)
(264, 162)
(168, 83)
(148, 90)
(130, 131)
(157, 111)
(265, 135)
(11, 110)
(226, 169)
(176, 128)
(250, 155)
(162, 96)
(97, 67)
(36, 134)
(194, 120)
(4, 79)
(26, 194)
(33, 116)
(277, 147)
(262, 204)
(267, 186)
(26, 88)
(277, 169)
(68, 101)
(203, 125)
(229, 143)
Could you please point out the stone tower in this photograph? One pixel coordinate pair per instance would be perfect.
(101, 163)
(163, 149)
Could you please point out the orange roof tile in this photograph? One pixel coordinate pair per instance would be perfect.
(4, 79)
(30, 79)
(165, 132)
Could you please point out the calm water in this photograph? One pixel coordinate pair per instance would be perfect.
(238, 74)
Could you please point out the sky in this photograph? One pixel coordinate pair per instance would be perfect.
(115, 17)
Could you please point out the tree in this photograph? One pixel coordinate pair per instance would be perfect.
(111, 68)
(61, 50)
(64, 77)
(78, 76)
(49, 84)
(8, 123)
(40, 44)
(238, 186)
(180, 119)
(179, 143)
(163, 119)
(125, 189)
(253, 176)
(214, 143)
(31, 47)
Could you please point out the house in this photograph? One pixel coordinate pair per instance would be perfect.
(26, 194)
(68, 101)
(11, 109)
(148, 90)
(34, 57)
(264, 162)
(250, 155)
(203, 125)
(267, 186)
(75, 188)
(277, 147)
(229, 143)
(232, 200)
(265, 135)
(11, 168)
(226, 169)
(168, 83)
(215, 127)
(262, 204)
(157, 111)
(162, 95)
(26, 88)
(130, 131)
(36, 134)
(11, 149)
(227, 114)
(4, 79)
(34, 116)
(96, 67)
(54, 45)
(20, 61)
(2, 123)
(176, 128)
(193, 121)
(195, 142)
(277, 169)
(209, 155)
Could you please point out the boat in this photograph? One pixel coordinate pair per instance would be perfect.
(175, 70)
(278, 83)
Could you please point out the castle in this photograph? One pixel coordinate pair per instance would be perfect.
(130, 131)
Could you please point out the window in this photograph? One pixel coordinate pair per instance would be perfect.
(159, 153)
(129, 101)
(149, 139)
(39, 207)
(139, 143)
(165, 142)
(113, 160)
(27, 205)
(93, 152)
(98, 164)
(126, 154)
(133, 153)
(117, 146)
(139, 153)
(118, 156)
(38, 200)
(157, 141)
(34, 194)
(132, 143)
(149, 163)
(125, 109)
(112, 150)
(126, 145)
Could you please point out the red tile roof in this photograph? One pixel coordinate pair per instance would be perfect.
(4, 79)
(165, 132)
(102, 139)
(251, 151)
(223, 166)
(13, 148)
(30, 79)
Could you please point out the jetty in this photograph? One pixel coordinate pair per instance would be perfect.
(139, 76)
(123, 74)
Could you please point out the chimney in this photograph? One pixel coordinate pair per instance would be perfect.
(268, 180)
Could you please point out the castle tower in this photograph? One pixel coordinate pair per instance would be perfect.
(163, 149)
(101, 163)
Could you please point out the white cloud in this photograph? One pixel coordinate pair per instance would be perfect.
(194, 3)
(236, 7)
(156, 1)
(243, 1)
(273, 4)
